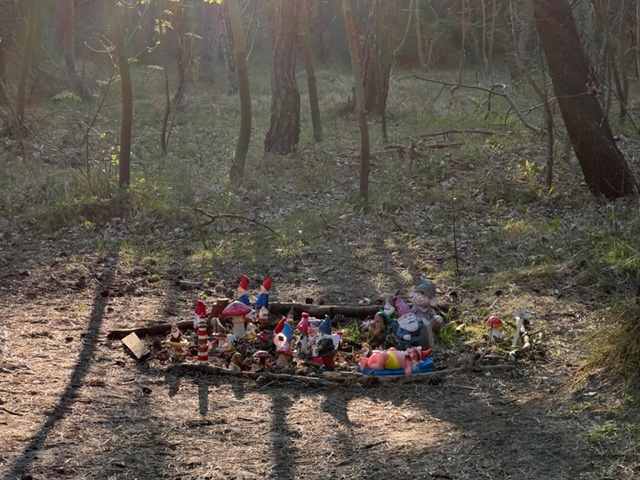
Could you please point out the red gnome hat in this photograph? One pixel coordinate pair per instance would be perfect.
(266, 286)
(244, 282)
(201, 309)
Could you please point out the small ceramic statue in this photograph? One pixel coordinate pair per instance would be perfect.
(262, 301)
(177, 341)
(241, 291)
(199, 313)
(376, 330)
(391, 359)
(424, 301)
(408, 327)
(324, 345)
(303, 339)
(282, 341)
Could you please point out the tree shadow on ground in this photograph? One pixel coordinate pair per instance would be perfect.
(68, 397)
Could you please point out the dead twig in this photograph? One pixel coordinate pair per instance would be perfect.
(489, 91)
(216, 216)
(11, 412)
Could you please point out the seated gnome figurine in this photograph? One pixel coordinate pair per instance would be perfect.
(324, 345)
(377, 329)
(177, 341)
(407, 326)
(424, 301)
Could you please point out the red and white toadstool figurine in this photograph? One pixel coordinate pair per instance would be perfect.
(494, 323)
(238, 312)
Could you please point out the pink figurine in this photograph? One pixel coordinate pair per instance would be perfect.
(392, 359)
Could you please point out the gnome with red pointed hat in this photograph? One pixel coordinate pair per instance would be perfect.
(262, 302)
(241, 292)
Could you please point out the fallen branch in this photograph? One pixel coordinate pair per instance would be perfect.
(259, 376)
(429, 146)
(489, 91)
(320, 311)
(215, 216)
(333, 378)
(216, 311)
(445, 133)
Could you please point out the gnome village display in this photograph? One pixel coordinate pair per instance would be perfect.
(241, 337)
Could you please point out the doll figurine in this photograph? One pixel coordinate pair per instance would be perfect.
(407, 326)
(392, 359)
(424, 301)
(324, 346)
(377, 329)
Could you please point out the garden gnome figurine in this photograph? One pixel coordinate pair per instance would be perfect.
(377, 330)
(263, 295)
(303, 328)
(324, 345)
(241, 292)
(424, 299)
(199, 314)
(282, 341)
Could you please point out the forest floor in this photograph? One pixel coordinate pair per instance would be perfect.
(476, 217)
(75, 404)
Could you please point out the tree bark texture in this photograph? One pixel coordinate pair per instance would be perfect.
(307, 55)
(226, 45)
(183, 52)
(352, 39)
(206, 72)
(4, 96)
(236, 173)
(284, 131)
(603, 165)
(29, 39)
(126, 121)
(67, 21)
(377, 53)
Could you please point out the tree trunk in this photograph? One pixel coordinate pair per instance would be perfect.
(603, 165)
(67, 11)
(4, 96)
(284, 133)
(377, 54)
(179, 23)
(67, 22)
(226, 44)
(206, 71)
(164, 129)
(29, 40)
(359, 97)
(638, 40)
(127, 95)
(307, 54)
(236, 174)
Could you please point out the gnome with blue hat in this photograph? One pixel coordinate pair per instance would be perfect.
(424, 301)
(324, 346)
(282, 341)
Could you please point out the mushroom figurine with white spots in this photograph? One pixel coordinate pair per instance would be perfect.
(238, 312)
(494, 323)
